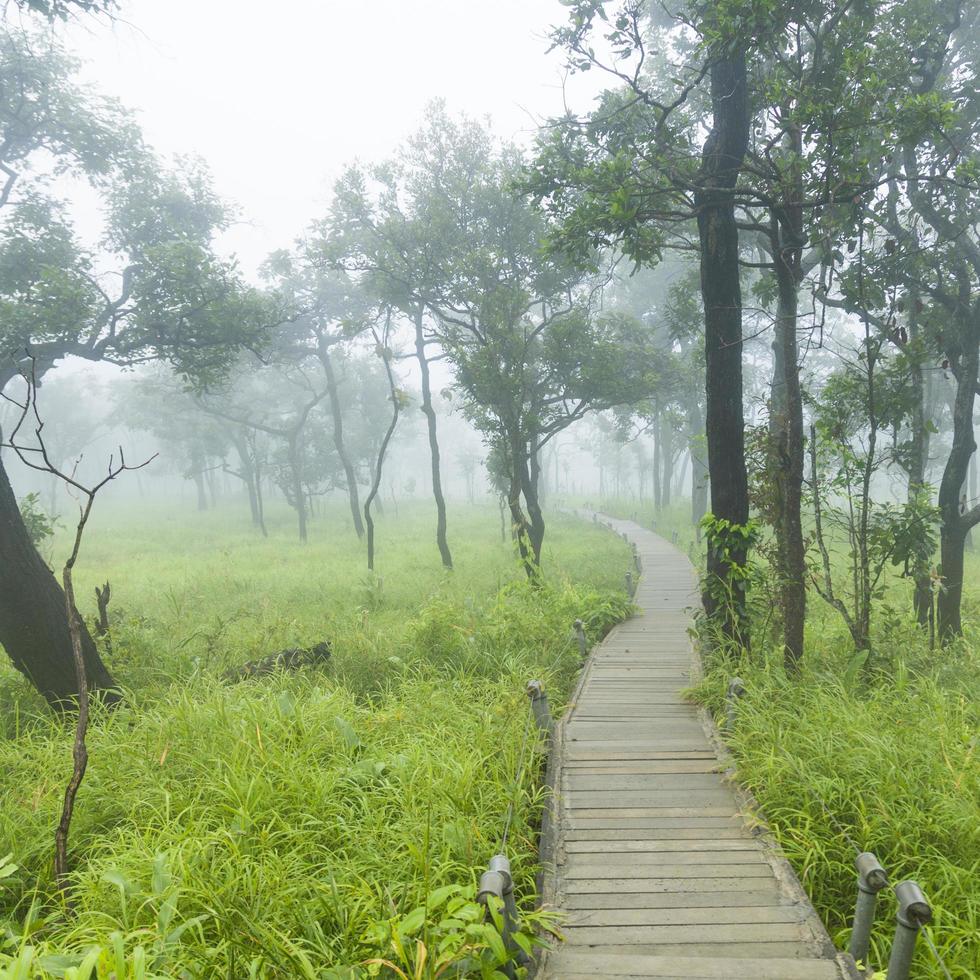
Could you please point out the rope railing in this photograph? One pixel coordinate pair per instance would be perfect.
(496, 886)
(913, 911)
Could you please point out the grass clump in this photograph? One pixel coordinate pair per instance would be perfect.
(889, 761)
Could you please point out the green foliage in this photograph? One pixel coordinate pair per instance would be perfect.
(890, 760)
(448, 936)
(40, 525)
(293, 826)
(176, 298)
(726, 541)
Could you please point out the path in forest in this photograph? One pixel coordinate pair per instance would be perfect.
(656, 867)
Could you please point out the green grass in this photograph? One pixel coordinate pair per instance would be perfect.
(284, 821)
(890, 763)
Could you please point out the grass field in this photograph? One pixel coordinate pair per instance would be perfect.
(288, 826)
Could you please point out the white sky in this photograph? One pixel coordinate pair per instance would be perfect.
(278, 96)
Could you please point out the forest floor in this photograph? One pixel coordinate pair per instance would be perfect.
(297, 824)
(883, 754)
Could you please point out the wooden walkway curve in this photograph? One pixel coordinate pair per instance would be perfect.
(655, 867)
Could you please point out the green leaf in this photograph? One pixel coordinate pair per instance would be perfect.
(347, 732)
(411, 923)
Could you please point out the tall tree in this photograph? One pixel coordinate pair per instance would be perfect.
(637, 173)
(171, 297)
(378, 229)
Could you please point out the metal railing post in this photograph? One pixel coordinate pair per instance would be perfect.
(539, 706)
(500, 863)
(583, 643)
(736, 690)
(493, 884)
(629, 584)
(871, 880)
(913, 913)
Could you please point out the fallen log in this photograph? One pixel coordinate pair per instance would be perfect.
(291, 659)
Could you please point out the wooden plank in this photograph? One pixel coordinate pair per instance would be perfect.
(598, 836)
(718, 933)
(618, 848)
(678, 883)
(624, 784)
(734, 865)
(590, 965)
(642, 767)
(667, 810)
(703, 916)
(639, 799)
(699, 822)
(795, 951)
(761, 894)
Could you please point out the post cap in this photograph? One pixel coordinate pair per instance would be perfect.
(500, 863)
(491, 883)
(535, 690)
(736, 687)
(872, 873)
(913, 908)
(578, 624)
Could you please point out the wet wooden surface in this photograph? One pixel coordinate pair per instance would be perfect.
(656, 870)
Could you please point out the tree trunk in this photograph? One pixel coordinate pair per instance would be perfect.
(666, 460)
(918, 455)
(202, 497)
(972, 501)
(33, 615)
(658, 498)
(724, 151)
(955, 525)
(699, 466)
(684, 459)
(296, 476)
(429, 412)
(248, 474)
(382, 449)
(787, 452)
(260, 503)
(323, 353)
(212, 488)
(528, 537)
(531, 481)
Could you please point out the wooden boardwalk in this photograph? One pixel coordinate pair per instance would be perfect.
(654, 867)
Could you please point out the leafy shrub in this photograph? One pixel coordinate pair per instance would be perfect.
(40, 525)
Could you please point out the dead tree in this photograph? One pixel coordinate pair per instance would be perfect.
(35, 455)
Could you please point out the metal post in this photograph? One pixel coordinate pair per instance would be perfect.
(583, 643)
(629, 583)
(736, 690)
(913, 913)
(501, 864)
(540, 706)
(871, 880)
(492, 884)
(673, 537)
